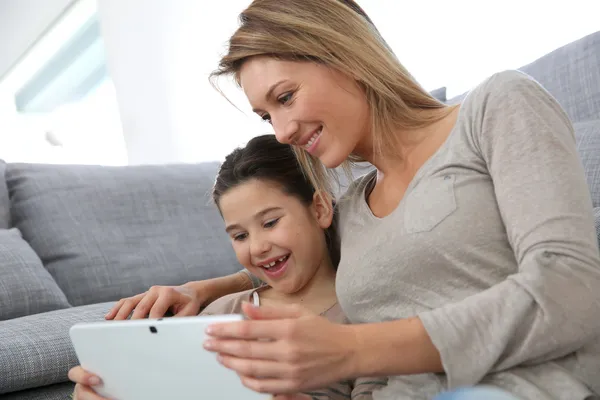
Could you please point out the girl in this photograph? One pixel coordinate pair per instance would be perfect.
(468, 256)
(283, 231)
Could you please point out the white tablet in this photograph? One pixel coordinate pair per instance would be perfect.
(157, 359)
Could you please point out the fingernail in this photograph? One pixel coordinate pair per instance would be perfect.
(210, 330)
(94, 380)
(209, 344)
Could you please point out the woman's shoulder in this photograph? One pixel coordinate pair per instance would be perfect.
(229, 304)
(358, 184)
(501, 88)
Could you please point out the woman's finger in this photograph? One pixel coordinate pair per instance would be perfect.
(114, 310)
(83, 392)
(250, 330)
(190, 309)
(79, 375)
(265, 369)
(279, 386)
(295, 396)
(250, 349)
(128, 306)
(162, 304)
(142, 308)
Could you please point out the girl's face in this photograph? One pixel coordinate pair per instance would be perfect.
(275, 236)
(309, 105)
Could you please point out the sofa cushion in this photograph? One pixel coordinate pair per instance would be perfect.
(588, 146)
(58, 391)
(597, 222)
(110, 232)
(25, 286)
(4, 200)
(36, 350)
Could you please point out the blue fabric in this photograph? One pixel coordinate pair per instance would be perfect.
(476, 393)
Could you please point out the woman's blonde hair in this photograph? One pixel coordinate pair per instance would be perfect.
(340, 35)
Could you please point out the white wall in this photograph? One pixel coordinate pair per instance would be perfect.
(159, 57)
(22, 22)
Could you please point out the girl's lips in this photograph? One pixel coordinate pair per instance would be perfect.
(278, 269)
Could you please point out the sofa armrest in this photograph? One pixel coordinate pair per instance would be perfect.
(36, 350)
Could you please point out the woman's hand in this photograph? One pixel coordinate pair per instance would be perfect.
(284, 349)
(184, 300)
(83, 384)
(181, 300)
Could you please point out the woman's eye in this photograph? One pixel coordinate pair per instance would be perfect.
(272, 223)
(240, 237)
(266, 118)
(285, 98)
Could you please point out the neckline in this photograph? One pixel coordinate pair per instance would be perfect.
(372, 176)
(255, 299)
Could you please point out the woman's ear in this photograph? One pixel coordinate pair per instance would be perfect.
(323, 209)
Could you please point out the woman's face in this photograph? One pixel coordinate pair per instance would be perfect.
(309, 105)
(274, 235)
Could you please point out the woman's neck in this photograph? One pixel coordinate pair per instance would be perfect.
(317, 295)
(411, 146)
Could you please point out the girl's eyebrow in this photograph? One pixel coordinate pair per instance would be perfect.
(258, 215)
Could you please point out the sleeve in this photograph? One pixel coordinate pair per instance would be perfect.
(363, 387)
(229, 304)
(256, 283)
(338, 391)
(549, 307)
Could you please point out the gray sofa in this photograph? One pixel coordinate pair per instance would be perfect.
(73, 239)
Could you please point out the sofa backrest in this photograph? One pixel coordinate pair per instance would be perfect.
(109, 232)
(571, 74)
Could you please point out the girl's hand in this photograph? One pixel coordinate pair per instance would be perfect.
(84, 382)
(297, 351)
(181, 300)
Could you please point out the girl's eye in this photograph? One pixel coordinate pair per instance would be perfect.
(272, 223)
(240, 237)
(285, 98)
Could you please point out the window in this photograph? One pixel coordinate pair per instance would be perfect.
(58, 104)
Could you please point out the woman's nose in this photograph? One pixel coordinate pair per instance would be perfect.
(285, 130)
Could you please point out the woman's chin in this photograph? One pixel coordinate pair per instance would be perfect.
(331, 161)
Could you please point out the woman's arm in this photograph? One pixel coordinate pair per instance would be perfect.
(218, 287)
(549, 307)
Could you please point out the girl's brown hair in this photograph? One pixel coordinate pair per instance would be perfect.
(340, 35)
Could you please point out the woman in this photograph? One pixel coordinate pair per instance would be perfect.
(282, 231)
(469, 256)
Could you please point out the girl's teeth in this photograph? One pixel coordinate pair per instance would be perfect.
(267, 266)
